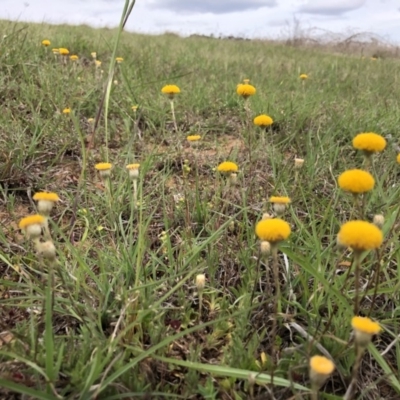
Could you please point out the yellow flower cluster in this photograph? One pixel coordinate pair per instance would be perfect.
(228, 167)
(356, 181)
(273, 230)
(360, 236)
(245, 90)
(369, 142)
(263, 120)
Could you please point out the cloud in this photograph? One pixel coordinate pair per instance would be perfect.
(212, 6)
(328, 7)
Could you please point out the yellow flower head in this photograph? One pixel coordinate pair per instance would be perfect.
(66, 111)
(98, 63)
(369, 142)
(47, 196)
(31, 220)
(46, 42)
(170, 90)
(119, 60)
(55, 51)
(90, 120)
(273, 230)
(321, 365)
(263, 120)
(133, 166)
(134, 108)
(63, 51)
(93, 54)
(356, 181)
(245, 90)
(360, 236)
(398, 158)
(103, 166)
(246, 81)
(279, 200)
(303, 77)
(74, 57)
(365, 325)
(193, 138)
(228, 167)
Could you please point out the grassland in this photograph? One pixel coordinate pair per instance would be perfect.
(117, 314)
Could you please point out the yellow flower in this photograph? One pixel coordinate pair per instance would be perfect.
(227, 166)
(320, 370)
(273, 230)
(360, 236)
(74, 57)
(369, 142)
(134, 108)
(374, 58)
(90, 120)
(55, 51)
(321, 365)
(46, 42)
(63, 51)
(303, 77)
(246, 81)
(32, 225)
(133, 166)
(31, 220)
(47, 196)
(93, 54)
(398, 158)
(66, 111)
(365, 325)
(46, 201)
(98, 63)
(263, 120)
(279, 200)
(133, 170)
(245, 90)
(364, 329)
(103, 166)
(193, 138)
(119, 60)
(356, 181)
(170, 90)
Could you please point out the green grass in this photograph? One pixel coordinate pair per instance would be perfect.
(120, 320)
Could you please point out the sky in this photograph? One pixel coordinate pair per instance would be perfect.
(241, 18)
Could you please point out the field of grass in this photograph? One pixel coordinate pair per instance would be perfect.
(117, 314)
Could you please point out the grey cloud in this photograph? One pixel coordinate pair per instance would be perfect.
(212, 6)
(325, 7)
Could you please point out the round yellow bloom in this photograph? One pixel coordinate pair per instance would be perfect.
(245, 90)
(303, 77)
(133, 166)
(55, 51)
(356, 181)
(46, 42)
(365, 325)
(74, 57)
(103, 166)
(66, 111)
(263, 120)
(134, 108)
(360, 236)
(31, 220)
(63, 51)
(321, 365)
(119, 60)
(398, 158)
(98, 63)
(273, 230)
(47, 196)
(90, 120)
(279, 200)
(227, 166)
(93, 54)
(369, 142)
(193, 138)
(170, 90)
